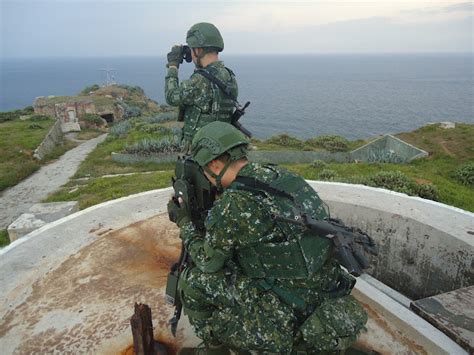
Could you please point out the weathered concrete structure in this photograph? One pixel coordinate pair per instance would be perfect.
(52, 139)
(69, 110)
(70, 286)
(38, 215)
(388, 149)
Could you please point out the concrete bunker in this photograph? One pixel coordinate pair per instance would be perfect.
(76, 294)
(388, 149)
(108, 117)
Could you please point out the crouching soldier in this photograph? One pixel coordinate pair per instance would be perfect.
(262, 280)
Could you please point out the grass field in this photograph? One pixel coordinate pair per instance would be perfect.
(448, 150)
(18, 140)
(4, 240)
(96, 190)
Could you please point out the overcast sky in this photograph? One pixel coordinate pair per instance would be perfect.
(113, 28)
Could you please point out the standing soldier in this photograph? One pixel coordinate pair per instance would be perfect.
(200, 101)
(265, 279)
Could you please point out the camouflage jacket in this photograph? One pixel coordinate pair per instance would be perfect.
(241, 221)
(200, 100)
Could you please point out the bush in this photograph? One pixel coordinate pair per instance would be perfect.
(169, 144)
(383, 156)
(286, 141)
(130, 111)
(330, 143)
(163, 117)
(151, 128)
(89, 89)
(318, 164)
(427, 191)
(35, 126)
(465, 174)
(133, 89)
(391, 180)
(13, 115)
(93, 119)
(8, 116)
(119, 129)
(327, 174)
(36, 118)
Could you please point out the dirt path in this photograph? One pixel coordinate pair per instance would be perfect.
(17, 199)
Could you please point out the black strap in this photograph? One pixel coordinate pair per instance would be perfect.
(225, 89)
(255, 185)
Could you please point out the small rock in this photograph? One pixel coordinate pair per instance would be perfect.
(447, 125)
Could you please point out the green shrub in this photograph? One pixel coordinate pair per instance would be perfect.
(13, 115)
(169, 144)
(130, 111)
(391, 180)
(465, 174)
(162, 117)
(327, 174)
(286, 141)
(89, 89)
(427, 191)
(318, 164)
(35, 126)
(133, 89)
(384, 156)
(93, 118)
(119, 129)
(8, 116)
(151, 128)
(330, 143)
(36, 118)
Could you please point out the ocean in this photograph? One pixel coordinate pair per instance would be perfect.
(355, 96)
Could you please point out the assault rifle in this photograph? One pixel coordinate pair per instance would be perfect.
(351, 245)
(190, 186)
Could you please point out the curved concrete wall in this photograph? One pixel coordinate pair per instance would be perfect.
(29, 261)
(426, 247)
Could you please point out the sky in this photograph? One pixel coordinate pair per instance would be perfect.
(107, 28)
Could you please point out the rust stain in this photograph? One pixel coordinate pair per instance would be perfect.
(89, 298)
(399, 337)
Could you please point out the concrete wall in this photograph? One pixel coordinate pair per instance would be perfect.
(52, 139)
(425, 247)
(56, 293)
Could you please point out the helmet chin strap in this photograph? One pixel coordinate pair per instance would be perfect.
(198, 57)
(218, 177)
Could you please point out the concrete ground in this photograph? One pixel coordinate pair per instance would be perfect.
(70, 286)
(19, 198)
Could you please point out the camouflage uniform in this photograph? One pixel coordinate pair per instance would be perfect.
(202, 101)
(268, 307)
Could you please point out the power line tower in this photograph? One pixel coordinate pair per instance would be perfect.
(109, 76)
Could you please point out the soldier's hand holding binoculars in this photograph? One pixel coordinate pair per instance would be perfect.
(175, 57)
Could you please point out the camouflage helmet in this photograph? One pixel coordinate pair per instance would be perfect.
(204, 34)
(215, 139)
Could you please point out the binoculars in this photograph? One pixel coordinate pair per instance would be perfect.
(185, 54)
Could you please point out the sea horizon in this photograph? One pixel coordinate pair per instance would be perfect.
(356, 95)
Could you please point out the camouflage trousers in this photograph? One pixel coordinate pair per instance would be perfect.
(235, 312)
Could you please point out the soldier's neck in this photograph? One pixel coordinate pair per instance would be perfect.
(209, 59)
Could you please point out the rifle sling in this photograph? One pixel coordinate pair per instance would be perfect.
(225, 89)
(254, 185)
